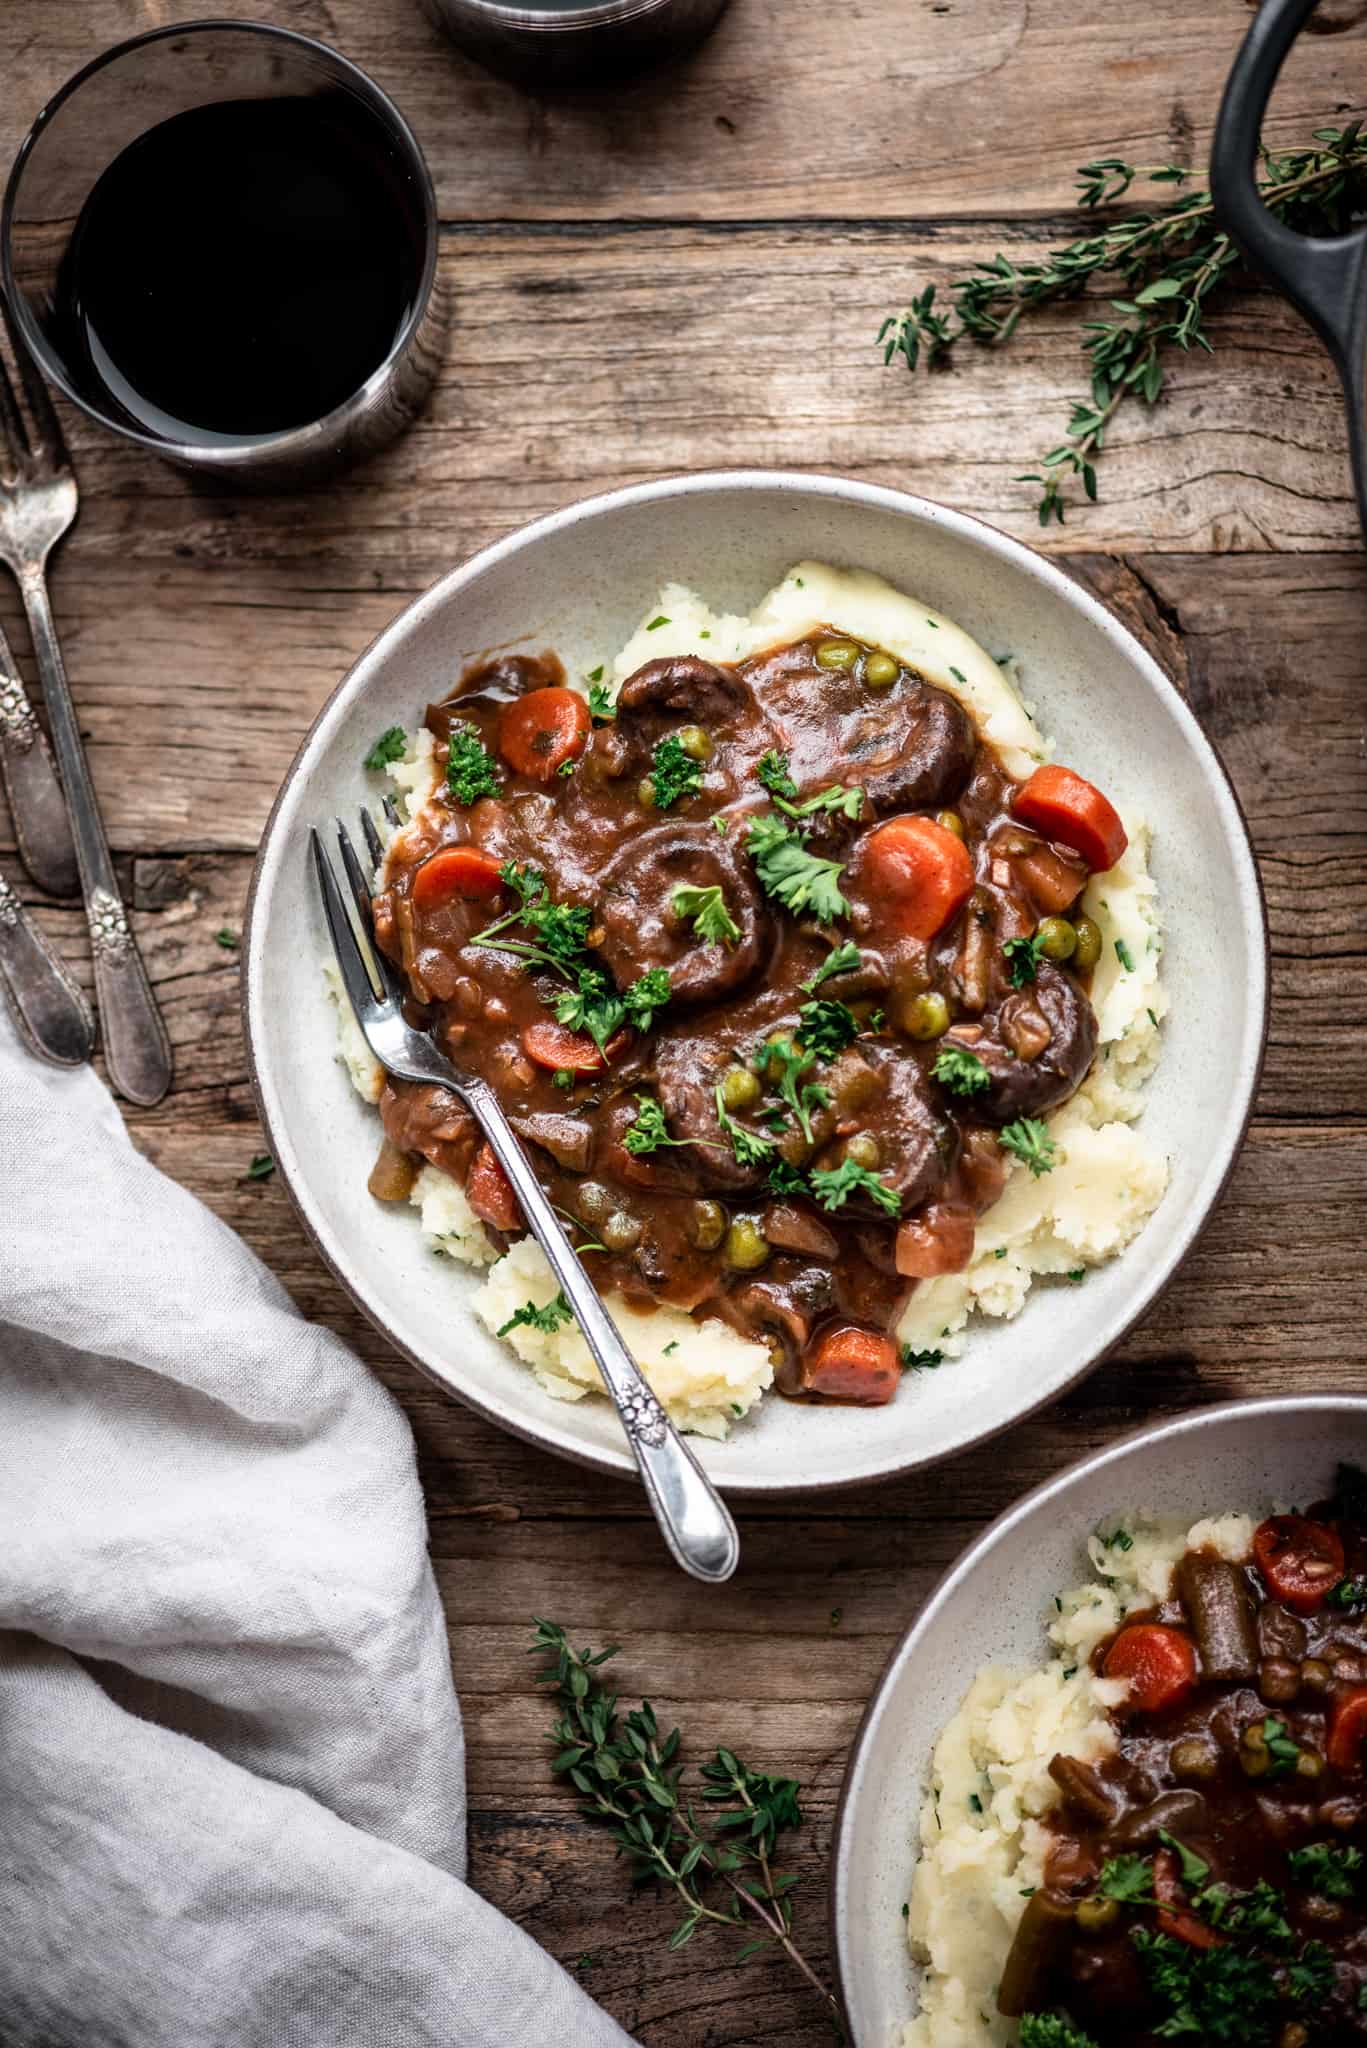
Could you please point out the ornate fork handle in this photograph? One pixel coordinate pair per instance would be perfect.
(51, 1008)
(41, 825)
(137, 1050)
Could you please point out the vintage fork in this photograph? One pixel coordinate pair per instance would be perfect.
(692, 1517)
(37, 505)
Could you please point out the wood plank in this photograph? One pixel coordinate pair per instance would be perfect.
(581, 360)
(878, 109)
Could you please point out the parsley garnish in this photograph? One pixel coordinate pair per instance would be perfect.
(920, 1361)
(658, 621)
(785, 1180)
(602, 703)
(841, 960)
(1122, 954)
(647, 1131)
(1128, 1879)
(1220, 1997)
(772, 770)
(595, 1006)
(1028, 1138)
(673, 773)
(1284, 1754)
(1046, 2029)
(749, 1147)
(1312, 1974)
(1022, 959)
(470, 769)
(262, 1166)
(826, 1028)
(227, 939)
(1121, 1539)
(547, 1319)
(833, 1188)
(961, 1071)
(558, 930)
(389, 747)
(1330, 1871)
(779, 1059)
(707, 909)
(1347, 1593)
(1194, 1869)
(799, 880)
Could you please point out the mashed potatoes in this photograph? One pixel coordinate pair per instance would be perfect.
(982, 1844)
(1106, 1181)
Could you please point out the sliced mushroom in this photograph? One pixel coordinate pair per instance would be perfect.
(791, 1229)
(642, 930)
(781, 1312)
(917, 1141)
(1028, 1086)
(687, 1072)
(684, 686)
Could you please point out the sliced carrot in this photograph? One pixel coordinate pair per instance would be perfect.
(1346, 1747)
(490, 1192)
(1066, 807)
(556, 1046)
(852, 1364)
(1173, 1916)
(539, 733)
(1301, 1560)
(456, 871)
(939, 1241)
(1159, 1662)
(919, 872)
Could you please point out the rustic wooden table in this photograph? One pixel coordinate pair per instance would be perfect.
(689, 273)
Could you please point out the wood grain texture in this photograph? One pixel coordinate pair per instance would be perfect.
(682, 276)
(896, 109)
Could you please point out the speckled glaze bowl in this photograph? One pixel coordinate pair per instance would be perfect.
(578, 581)
(992, 1607)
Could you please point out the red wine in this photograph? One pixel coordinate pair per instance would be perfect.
(241, 268)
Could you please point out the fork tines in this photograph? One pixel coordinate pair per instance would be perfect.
(367, 976)
(32, 430)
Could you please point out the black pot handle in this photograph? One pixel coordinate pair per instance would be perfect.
(1322, 275)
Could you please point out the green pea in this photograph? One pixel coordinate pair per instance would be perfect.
(864, 1149)
(706, 1225)
(950, 821)
(837, 654)
(926, 1016)
(1056, 938)
(1087, 951)
(621, 1232)
(746, 1245)
(1095, 1915)
(695, 742)
(881, 670)
(740, 1089)
(793, 1148)
(645, 794)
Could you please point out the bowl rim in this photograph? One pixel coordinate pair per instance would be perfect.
(978, 533)
(1190, 1422)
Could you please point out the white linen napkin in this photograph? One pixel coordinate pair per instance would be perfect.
(232, 1805)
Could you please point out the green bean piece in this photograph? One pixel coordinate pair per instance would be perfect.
(1087, 950)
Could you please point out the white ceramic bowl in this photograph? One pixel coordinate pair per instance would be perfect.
(578, 581)
(992, 1607)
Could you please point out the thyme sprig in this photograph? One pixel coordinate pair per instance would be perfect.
(1168, 264)
(719, 1861)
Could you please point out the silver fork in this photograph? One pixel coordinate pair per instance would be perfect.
(37, 505)
(692, 1517)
